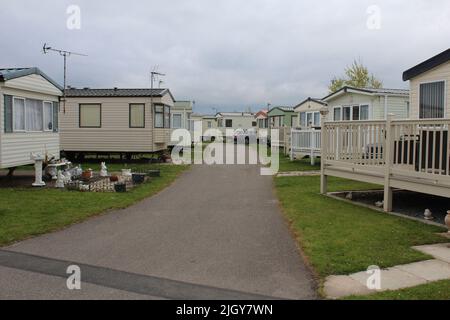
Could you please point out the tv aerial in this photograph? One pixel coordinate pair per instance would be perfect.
(64, 53)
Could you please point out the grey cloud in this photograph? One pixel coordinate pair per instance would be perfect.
(225, 54)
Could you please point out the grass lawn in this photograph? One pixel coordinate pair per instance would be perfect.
(439, 290)
(30, 212)
(342, 238)
(286, 165)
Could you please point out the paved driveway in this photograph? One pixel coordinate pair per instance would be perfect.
(217, 232)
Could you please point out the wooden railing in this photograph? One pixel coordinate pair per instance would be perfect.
(419, 146)
(359, 143)
(407, 154)
(305, 142)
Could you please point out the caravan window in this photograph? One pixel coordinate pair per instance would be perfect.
(364, 112)
(432, 99)
(159, 116)
(34, 115)
(166, 117)
(48, 116)
(316, 119)
(346, 113)
(303, 120)
(137, 115)
(337, 114)
(90, 115)
(19, 114)
(176, 121)
(31, 115)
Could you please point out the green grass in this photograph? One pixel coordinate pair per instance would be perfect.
(342, 238)
(439, 290)
(286, 165)
(30, 212)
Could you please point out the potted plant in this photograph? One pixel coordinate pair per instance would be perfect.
(138, 178)
(120, 187)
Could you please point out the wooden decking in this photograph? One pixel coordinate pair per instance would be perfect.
(406, 154)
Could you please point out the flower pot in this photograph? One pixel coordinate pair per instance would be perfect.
(138, 178)
(114, 178)
(120, 187)
(86, 175)
(447, 220)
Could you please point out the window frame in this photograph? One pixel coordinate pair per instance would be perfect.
(181, 119)
(167, 118)
(143, 115)
(155, 112)
(79, 115)
(445, 97)
(226, 125)
(294, 120)
(303, 124)
(51, 116)
(351, 106)
(340, 113)
(24, 114)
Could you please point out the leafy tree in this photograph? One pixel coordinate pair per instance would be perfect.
(357, 75)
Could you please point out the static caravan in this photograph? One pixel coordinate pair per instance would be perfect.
(262, 119)
(412, 154)
(29, 103)
(346, 104)
(429, 86)
(282, 119)
(122, 121)
(235, 120)
(309, 113)
(355, 104)
(180, 116)
(208, 122)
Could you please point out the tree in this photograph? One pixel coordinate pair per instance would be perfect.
(358, 76)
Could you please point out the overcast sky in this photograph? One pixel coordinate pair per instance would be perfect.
(225, 54)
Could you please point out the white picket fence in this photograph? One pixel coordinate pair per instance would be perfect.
(306, 143)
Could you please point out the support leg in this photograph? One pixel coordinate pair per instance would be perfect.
(11, 172)
(388, 197)
(323, 184)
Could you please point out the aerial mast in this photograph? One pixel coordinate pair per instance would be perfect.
(46, 49)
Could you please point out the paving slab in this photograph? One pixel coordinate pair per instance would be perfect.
(430, 270)
(336, 287)
(391, 279)
(299, 174)
(439, 251)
